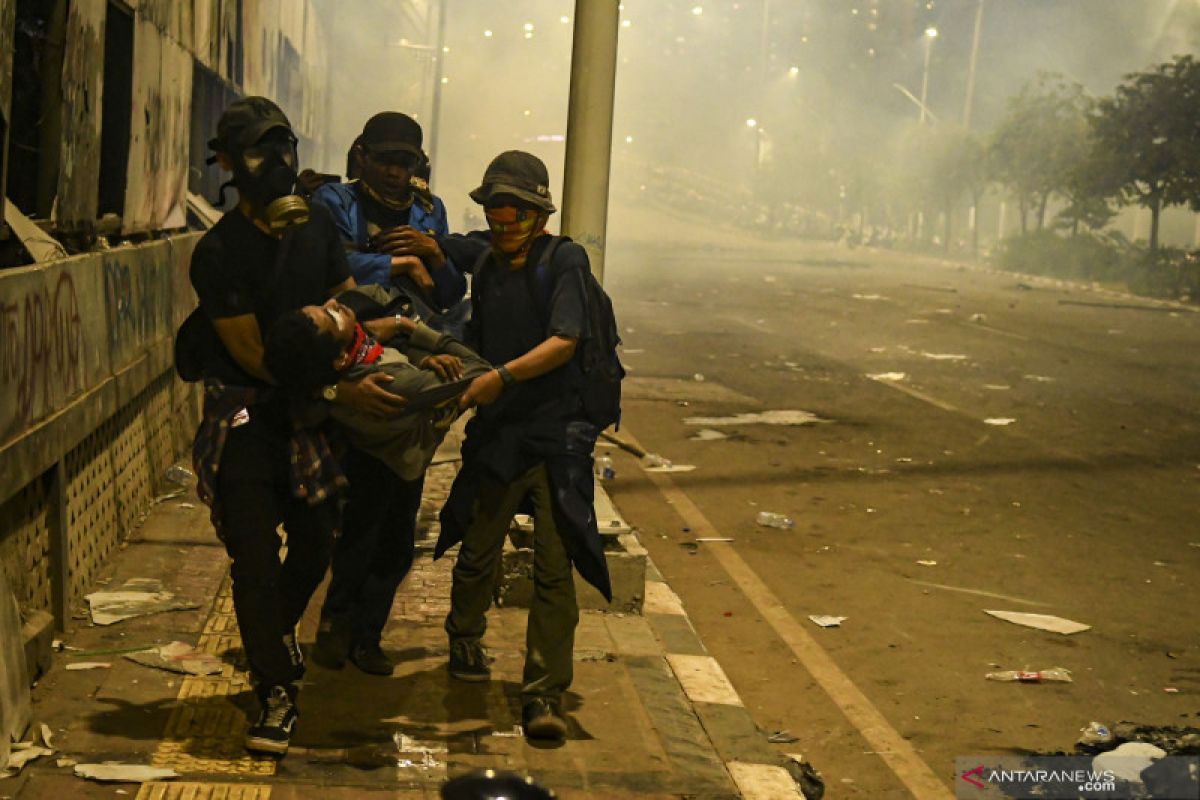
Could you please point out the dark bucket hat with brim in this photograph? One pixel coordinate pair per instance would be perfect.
(245, 122)
(516, 173)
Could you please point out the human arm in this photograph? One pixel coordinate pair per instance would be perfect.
(547, 356)
(242, 339)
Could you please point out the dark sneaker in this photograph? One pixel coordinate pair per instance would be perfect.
(370, 658)
(272, 732)
(469, 661)
(542, 719)
(332, 646)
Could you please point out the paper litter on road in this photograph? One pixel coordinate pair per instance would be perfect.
(997, 387)
(945, 356)
(889, 376)
(760, 418)
(927, 563)
(22, 753)
(1043, 622)
(179, 657)
(827, 621)
(116, 772)
(82, 665)
(857, 296)
(138, 597)
(999, 421)
(708, 435)
(672, 468)
(1039, 378)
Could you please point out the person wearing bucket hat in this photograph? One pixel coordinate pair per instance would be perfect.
(529, 440)
(259, 261)
(388, 221)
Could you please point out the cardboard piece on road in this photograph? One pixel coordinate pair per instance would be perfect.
(1043, 622)
(778, 417)
(827, 620)
(179, 657)
(22, 753)
(82, 665)
(116, 772)
(138, 597)
(14, 677)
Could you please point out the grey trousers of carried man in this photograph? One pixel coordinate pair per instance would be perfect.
(553, 614)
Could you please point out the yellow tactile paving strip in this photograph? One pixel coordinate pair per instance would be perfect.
(206, 730)
(203, 791)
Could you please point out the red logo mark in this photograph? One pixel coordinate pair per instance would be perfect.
(977, 771)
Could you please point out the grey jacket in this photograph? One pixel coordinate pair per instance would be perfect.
(406, 441)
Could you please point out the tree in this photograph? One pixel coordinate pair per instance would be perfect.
(1148, 138)
(1035, 149)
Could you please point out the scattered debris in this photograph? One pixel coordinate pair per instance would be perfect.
(979, 317)
(1043, 622)
(997, 387)
(698, 378)
(138, 597)
(65, 762)
(655, 460)
(187, 505)
(926, 563)
(603, 468)
(999, 421)
(515, 733)
(1127, 761)
(827, 621)
(180, 475)
(1052, 675)
(179, 657)
(806, 776)
(1094, 737)
(782, 737)
(889, 376)
(117, 772)
(22, 753)
(627, 351)
(945, 356)
(47, 735)
(760, 418)
(857, 296)
(769, 519)
(1039, 378)
(708, 435)
(672, 468)
(714, 539)
(82, 665)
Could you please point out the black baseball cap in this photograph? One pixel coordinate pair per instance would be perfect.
(245, 122)
(520, 174)
(390, 132)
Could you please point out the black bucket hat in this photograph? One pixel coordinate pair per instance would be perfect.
(520, 174)
(245, 122)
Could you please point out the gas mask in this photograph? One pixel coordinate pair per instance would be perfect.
(513, 230)
(265, 172)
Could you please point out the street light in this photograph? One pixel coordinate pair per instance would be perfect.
(752, 123)
(930, 34)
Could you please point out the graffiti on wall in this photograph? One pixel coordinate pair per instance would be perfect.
(41, 355)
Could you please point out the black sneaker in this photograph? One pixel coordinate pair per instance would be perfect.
(370, 658)
(469, 661)
(542, 718)
(332, 646)
(273, 731)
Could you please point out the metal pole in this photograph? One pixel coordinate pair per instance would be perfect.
(589, 127)
(971, 68)
(435, 115)
(925, 76)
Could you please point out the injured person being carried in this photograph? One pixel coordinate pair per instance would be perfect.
(308, 351)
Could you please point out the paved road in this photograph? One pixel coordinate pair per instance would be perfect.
(1083, 506)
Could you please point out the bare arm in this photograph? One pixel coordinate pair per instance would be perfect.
(243, 341)
(549, 355)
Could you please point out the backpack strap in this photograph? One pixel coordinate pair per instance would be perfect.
(540, 279)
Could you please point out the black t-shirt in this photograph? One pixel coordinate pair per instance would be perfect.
(378, 213)
(237, 269)
(511, 323)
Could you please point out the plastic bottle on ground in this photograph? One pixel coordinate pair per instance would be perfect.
(180, 475)
(604, 468)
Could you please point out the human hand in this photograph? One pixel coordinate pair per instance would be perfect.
(447, 367)
(483, 391)
(368, 395)
(413, 268)
(405, 240)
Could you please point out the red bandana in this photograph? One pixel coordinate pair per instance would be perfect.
(364, 349)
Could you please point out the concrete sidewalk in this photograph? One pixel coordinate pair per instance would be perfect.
(651, 714)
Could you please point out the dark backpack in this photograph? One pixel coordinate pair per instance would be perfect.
(597, 354)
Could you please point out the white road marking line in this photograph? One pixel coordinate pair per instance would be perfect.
(661, 600)
(703, 680)
(763, 781)
(924, 398)
(896, 751)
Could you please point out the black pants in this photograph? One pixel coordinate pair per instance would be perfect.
(375, 550)
(269, 596)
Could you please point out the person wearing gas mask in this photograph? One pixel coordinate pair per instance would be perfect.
(530, 440)
(388, 220)
(257, 467)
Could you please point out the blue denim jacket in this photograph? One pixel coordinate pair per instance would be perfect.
(449, 284)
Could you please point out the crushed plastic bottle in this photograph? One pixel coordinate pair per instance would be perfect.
(604, 468)
(769, 519)
(1095, 736)
(1052, 675)
(180, 475)
(655, 460)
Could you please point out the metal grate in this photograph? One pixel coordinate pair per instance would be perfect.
(25, 544)
(92, 530)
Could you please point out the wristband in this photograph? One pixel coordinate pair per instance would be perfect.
(507, 377)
